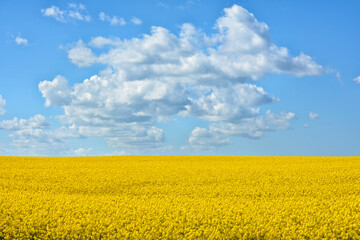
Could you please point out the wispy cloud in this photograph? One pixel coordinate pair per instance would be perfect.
(2, 105)
(313, 116)
(114, 20)
(99, 42)
(72, 12)
(136, 21)
(161, 4)
(357, 80)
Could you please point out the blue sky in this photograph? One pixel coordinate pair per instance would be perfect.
(179, 77)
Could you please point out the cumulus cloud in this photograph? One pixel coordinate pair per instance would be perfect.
(114, 20)
(37, 121)
(245, 49)
(203, 139)
(56, 92)
(192, 74)
(54, 12)
(140, 138)
(254, 127)
(136, 21)
(357, 80)
(2, 105)
(228, 104)
(123, 112)
(80, 55)
(21, 41)
(216, 135)
(81, 152)
(41, 141)
(72, 12)
(241, 49)
(313, 116)
(35, 135)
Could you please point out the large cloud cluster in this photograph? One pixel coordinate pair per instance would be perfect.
(161, 75)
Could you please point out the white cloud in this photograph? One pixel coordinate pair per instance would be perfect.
(240, 50)
(77, 6)
(73, 12)
(136, 21)
(35, 136)
(2, 105)
(357, 80)
(338, 76)
(114, 20)
(36, 141)
(56, 92)
(228, 104)
(139, 139)
(216, 135)
(21, 41)
(161, 4)
(246, 50)
(254, 127)
(81, 152)
(37, 121)
(313, 116)
(99, 42)
(54, 12)
(202, 139)
(122, 112)
(161, 75)
(80, 55)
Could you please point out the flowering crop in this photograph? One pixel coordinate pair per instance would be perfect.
(172, 197)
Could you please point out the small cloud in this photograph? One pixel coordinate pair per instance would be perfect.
(77, 6)
(54, 12)
(161, 4)
(313, 116)
(202, 139)
(73, 12)
(114, 20)
(306, 125)
(21, 41)
(81, 55)
(35, 122)
(102, 16)
(357, 80)
(338, 76)
(136, 21)
(81, 152)
(2, 105)
(99, 42)
(335, 72)
(188, 3)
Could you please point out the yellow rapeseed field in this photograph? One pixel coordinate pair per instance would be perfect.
(178, 197)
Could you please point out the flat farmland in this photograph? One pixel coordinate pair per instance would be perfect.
(179, 197)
